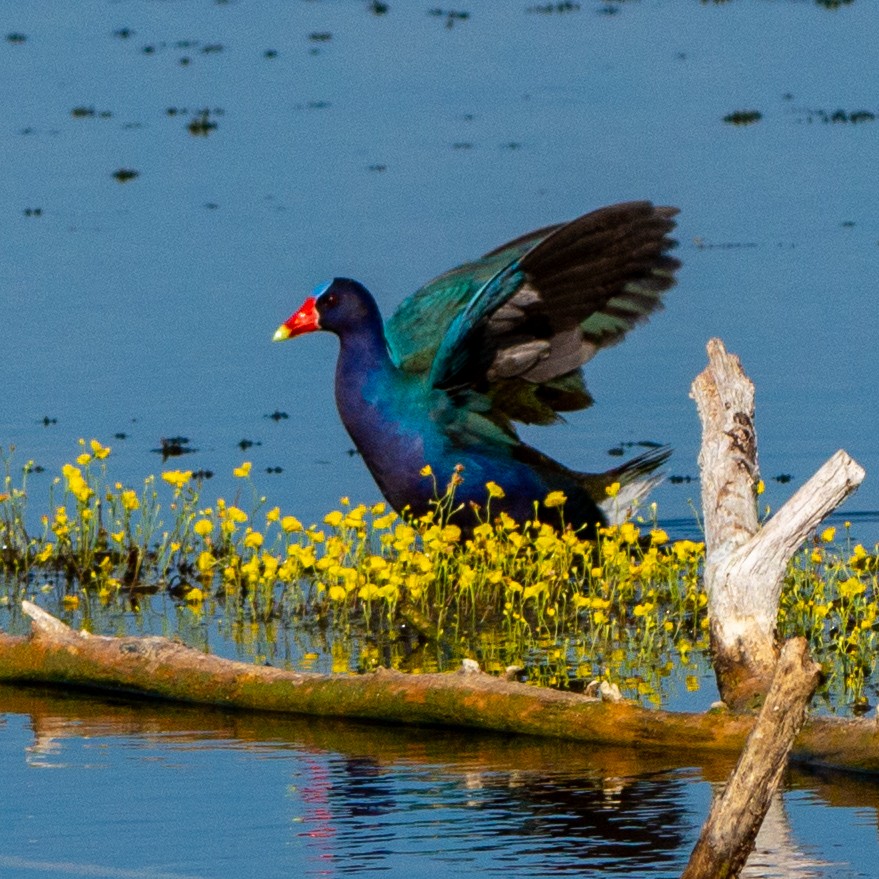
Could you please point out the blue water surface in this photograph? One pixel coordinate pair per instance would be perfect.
(390, 147)
(105, 789)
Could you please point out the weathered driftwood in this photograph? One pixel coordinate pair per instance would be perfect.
(154, 667)
(727, 837)
(157, 667)
(745, 563)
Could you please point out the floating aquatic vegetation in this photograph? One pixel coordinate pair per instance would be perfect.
(550, 8)
(852, 117)
(743, 117)
(123, 175)
(366, 586)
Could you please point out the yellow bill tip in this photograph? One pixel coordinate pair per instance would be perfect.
(281, 334)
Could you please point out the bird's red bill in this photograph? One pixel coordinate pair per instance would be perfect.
(306, 320)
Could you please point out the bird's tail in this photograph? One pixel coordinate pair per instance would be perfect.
(635, 480)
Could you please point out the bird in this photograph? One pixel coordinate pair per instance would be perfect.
(437, 391)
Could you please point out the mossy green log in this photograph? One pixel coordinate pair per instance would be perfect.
(155, 667)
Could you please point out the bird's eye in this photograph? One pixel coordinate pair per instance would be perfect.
(331, 300)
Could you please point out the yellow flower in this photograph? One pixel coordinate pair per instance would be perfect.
(685, 550)
(761, 487)
(828, 534)
(77, 486)
(629, 533)
(44, 554)
(253, 539)
(494, 490)
(203, 527)
(851, 587)
(369, 592)
(274, 515)
(129, 500)
(236, 514)
(613, 489)
(177, 478)
(404, 537)
(333, 519)
(354, 518)
(243, 471)
(205, 563)
(290, 524)
(451, 533)
(658, 536)
(555, 499)
(99, 451)
(383, 522)
(70, 602)
(426, 470)
(83, 459)
(376, 563)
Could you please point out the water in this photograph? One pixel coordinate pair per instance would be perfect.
(390, 150)
(107, 789)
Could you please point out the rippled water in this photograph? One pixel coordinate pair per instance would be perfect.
(107, 789)
(390, 147)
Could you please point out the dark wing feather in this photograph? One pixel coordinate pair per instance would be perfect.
(523, 337)
(414, 332)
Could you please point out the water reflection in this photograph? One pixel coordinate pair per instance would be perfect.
(326, 798)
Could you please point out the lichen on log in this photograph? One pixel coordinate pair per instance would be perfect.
(157, 668)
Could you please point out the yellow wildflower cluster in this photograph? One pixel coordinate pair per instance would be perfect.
(831, 596)
(628, 605)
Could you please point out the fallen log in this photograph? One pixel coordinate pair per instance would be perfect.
(157, 668)
(727, 837)
(745, 563)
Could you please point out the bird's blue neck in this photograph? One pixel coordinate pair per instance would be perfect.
(363, 355)
(375, 400)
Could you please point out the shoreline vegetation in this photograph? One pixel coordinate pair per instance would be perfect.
(374, 589)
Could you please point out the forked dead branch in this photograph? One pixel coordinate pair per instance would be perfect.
(745, 562)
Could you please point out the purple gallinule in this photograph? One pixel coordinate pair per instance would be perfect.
(493, 342)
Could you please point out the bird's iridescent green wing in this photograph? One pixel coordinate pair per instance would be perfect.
(417, 328)
(522, 337)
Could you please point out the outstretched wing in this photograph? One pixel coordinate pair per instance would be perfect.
(522, 337)
(415, 331)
